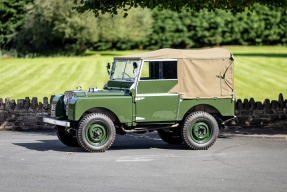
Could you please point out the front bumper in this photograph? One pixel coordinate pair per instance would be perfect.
(56, 122)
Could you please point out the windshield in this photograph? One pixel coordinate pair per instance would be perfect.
(124, 70)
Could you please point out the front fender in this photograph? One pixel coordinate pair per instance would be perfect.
(58, 100)
(121, 106)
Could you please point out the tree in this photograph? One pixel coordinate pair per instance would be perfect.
(123, 33)
(264, 26)
(12, 13)
(113, 6)
(53, 26)
(134, 28)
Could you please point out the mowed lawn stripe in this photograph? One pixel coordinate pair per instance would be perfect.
(96, 73)
(260, 77)
(33, 78)
(256, 75)
(18, 78)
(45, 79)
(55, 78)
(254, 71)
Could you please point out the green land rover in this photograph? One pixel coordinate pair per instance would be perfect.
(185, 95)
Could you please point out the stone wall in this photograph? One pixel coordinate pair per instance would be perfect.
(27, 114)
(250, 112)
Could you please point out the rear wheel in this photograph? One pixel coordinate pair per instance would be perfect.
(200, 130)
(66, 138)
(170, 136)
(96, 132)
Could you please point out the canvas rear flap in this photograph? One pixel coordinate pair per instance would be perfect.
(203, 78)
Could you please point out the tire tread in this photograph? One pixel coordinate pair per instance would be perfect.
(185, 130)
(80, 136)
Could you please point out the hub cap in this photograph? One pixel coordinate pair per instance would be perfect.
(201, 131)
(97, 133)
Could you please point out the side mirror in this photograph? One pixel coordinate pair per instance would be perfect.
(135, 65)
(108, 67)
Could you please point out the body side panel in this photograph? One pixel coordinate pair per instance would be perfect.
(120, 84)
(120, 105)
(155, 86)
(224, 106)
(156, 107)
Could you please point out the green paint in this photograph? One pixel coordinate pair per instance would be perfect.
(97, 133)
(93, 93)
(120, 84)
(157, 108)
(80, 93)
(155, 86)
(120, 105)
(201, 131)
(224, 106)
(59, 102)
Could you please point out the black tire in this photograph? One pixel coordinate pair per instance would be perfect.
(200, 130)
(66, 138)
(170, 136)
(96, 132)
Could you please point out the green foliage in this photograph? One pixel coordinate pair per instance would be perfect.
(112, 6)
(53, 26)
(264, 26)
(118, 33)
(133, 28)
(12, 14)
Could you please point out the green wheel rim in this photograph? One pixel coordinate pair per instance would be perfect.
(201, 131)
(97, 133)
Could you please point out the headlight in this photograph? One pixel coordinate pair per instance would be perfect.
(66, 98)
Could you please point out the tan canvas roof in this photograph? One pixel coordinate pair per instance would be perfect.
(180, 54)
(205, 74)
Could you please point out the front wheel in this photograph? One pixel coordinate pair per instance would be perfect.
(200, 130)
(96, 132)
(66, 138)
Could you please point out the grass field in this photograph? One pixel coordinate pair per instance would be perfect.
(260, 72)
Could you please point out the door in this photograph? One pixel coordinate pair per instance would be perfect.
(153, 102)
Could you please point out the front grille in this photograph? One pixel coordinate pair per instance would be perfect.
(53, 110)
(53, 113)
(67, 109)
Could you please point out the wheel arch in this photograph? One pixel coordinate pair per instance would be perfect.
(208, 109)
(203, 107)
(104, 111)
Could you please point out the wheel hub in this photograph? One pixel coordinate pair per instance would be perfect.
(201, 131)
(97, 133)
